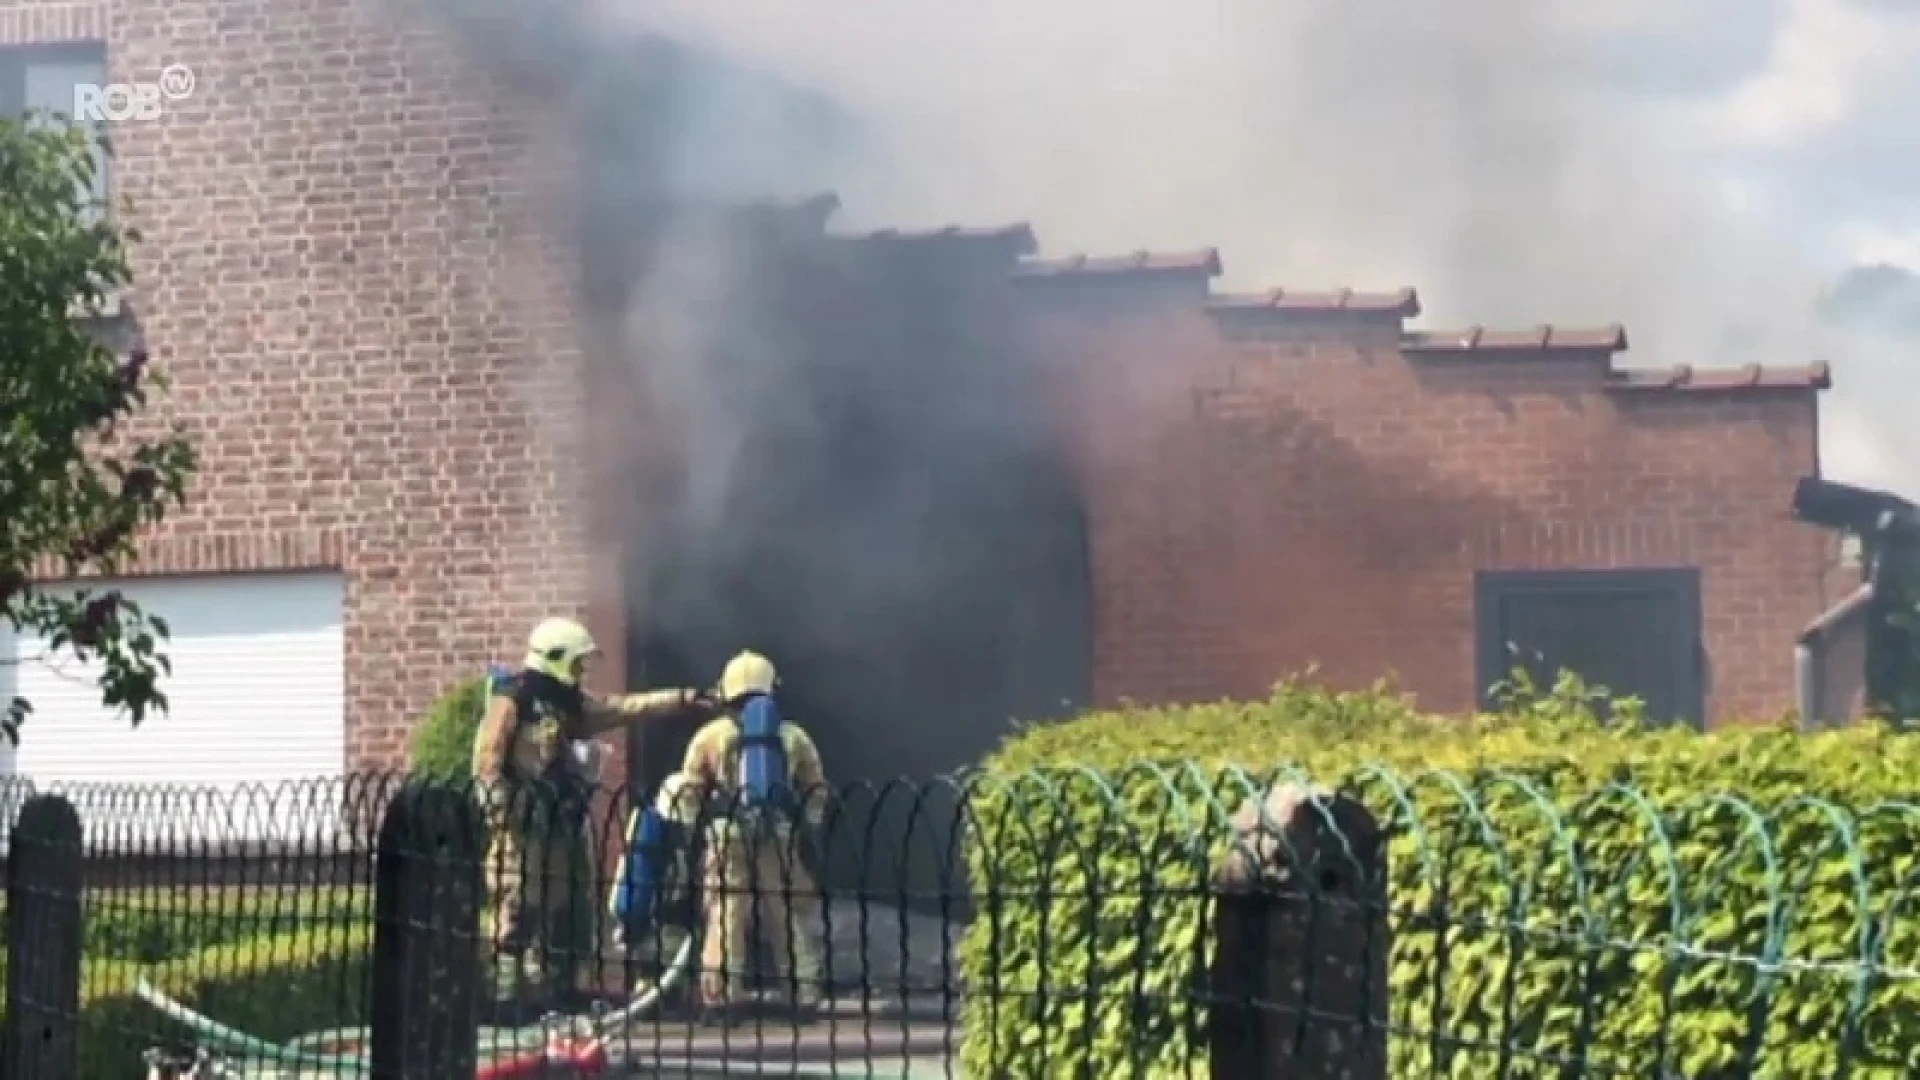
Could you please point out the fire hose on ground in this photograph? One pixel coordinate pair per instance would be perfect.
(529, 1051)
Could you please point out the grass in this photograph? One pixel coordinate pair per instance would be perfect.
(277, 961)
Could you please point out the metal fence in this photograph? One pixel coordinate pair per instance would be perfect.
(1162, 921)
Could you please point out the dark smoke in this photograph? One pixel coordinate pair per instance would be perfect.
(1473, 149)
(1520, 161)
(853, 466)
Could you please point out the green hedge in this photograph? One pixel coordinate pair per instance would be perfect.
(442, 744)
(154, 925)
(1561, 887)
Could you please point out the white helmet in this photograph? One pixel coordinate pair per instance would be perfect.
(747, 673)
(556, 646)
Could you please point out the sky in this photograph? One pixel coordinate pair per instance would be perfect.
(1704, 172)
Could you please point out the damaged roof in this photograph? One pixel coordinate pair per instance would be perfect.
(1018, 237)
(1020, 245)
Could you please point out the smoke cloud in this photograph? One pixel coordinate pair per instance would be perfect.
(1519, 161)
(1471, 149)
(848, 467)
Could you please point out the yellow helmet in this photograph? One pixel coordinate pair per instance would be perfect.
(557, 646)
(747, 673)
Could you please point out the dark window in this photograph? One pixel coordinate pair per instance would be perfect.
(1635, 632)
(40, 79)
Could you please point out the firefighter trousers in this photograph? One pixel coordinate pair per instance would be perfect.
(541, 892)
(756, 887)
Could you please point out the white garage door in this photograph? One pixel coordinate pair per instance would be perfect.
(256, 704)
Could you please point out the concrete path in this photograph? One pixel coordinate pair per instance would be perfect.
(846, 1044)
(894, 1011)
(883, 954)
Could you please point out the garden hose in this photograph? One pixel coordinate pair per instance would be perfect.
(306, 1051)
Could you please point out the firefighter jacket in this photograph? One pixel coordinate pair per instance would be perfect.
(530, 726)
(712, 767)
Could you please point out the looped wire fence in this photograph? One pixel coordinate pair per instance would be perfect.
(1160, 920)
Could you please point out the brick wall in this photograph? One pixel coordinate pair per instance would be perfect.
(1274, 488)
(342, 273)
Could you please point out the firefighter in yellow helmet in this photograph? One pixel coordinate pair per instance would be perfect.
(534, 762)
(760, 780)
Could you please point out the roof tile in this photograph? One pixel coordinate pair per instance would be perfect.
(1205, 261)
(1019, 236)
(1684, 378)
(1542, 338)
(812, 211)
(817, 209)
(1405, 302)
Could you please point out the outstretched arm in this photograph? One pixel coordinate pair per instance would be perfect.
(608, 714)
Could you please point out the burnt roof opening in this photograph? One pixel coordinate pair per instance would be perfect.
(868, 488)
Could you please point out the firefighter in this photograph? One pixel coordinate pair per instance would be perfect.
(532, 762)
(652, 902)
(759, 780)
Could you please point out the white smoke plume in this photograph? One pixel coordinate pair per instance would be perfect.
(1682, 169)
(1704, 173)
(1519, 161)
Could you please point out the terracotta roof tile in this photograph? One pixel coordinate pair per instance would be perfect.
(1711, 380)
(1405, 303)
(1206, 261)
(812, 211)
(1020, 235)
(816, 210)
(1539, 339)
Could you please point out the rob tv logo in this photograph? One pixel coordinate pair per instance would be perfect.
(95, 102)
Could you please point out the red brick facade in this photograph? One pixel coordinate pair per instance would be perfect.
(343, 272)
(1293, 481)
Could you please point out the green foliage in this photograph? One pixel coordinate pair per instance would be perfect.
(1565, 882)
(443, 739)
(75, 486)
(158, 926)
